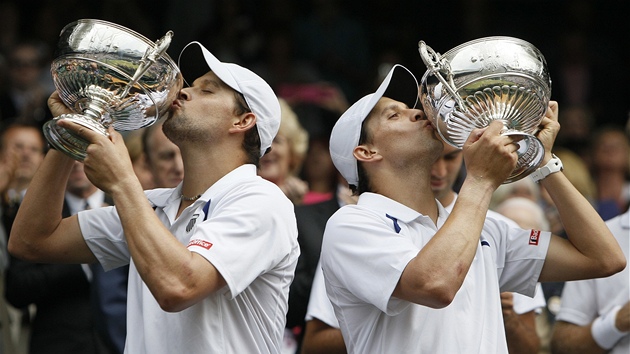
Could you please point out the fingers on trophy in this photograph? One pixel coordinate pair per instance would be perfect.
(488, 79)
(109, 75)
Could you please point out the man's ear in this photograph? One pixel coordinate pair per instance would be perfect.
(366, 153)
(243, 122)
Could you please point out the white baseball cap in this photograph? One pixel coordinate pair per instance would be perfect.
(400, 85)
(258, 94)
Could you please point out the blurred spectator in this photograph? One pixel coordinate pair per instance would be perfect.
(24, 100)
(595, 313)
(27, 143)
(525, 212)
(610, 167)
(283, 163)
(524, 188)
(133, 141)
(22, 149)
(323, 179)
(577, 122)
(162, 156)
(64, 320)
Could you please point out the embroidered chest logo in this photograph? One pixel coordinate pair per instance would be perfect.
(192, 222)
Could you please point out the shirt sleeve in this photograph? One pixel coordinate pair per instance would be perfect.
(520, 255)
(246, 234)
(363, 254)
(524, 304)
(103, 233)
(319, 306)
(577, 302)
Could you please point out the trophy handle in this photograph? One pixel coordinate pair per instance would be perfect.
(437, 64)
(149, 58)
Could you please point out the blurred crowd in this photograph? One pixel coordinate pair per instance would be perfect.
(319, 55)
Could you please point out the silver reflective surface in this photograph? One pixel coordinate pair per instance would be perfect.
(110, 75)
(487, 79)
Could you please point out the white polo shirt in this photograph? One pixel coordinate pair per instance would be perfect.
(367, 246)
(585, 300)
(245, 226)
(319, 305)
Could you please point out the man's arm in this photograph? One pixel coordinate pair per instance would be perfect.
(569, 338)
(520, 329)
(177, 277)
(434, 276)
(591, 250)
(320, 338)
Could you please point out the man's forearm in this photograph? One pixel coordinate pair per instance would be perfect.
(569, 339)
(176, 276)
(319, 338)
(520, 331)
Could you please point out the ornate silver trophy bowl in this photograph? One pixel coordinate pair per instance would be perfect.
(109, 75)
(487, 79)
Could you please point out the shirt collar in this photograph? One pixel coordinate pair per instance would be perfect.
(625, 220)
(77, 204)
(165, 196)
(401, 212)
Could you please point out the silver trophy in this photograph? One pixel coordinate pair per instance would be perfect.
(109, 75)
(487, 79)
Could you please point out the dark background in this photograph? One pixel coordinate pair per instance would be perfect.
(590, 36)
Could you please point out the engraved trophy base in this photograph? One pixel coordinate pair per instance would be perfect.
(65, 140)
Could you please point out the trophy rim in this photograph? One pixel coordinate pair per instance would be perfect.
(122, 28)
(492, 39)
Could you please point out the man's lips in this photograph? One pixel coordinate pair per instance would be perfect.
(437, 183)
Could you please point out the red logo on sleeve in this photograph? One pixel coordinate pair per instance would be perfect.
(200, 243)
(533, 237)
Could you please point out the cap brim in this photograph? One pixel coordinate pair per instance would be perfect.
(402, 87)
(191, 63)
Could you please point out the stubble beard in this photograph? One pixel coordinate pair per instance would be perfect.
(178, 129)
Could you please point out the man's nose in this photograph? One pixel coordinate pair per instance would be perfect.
(438, 169)
(418, 114)
(184, 94)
